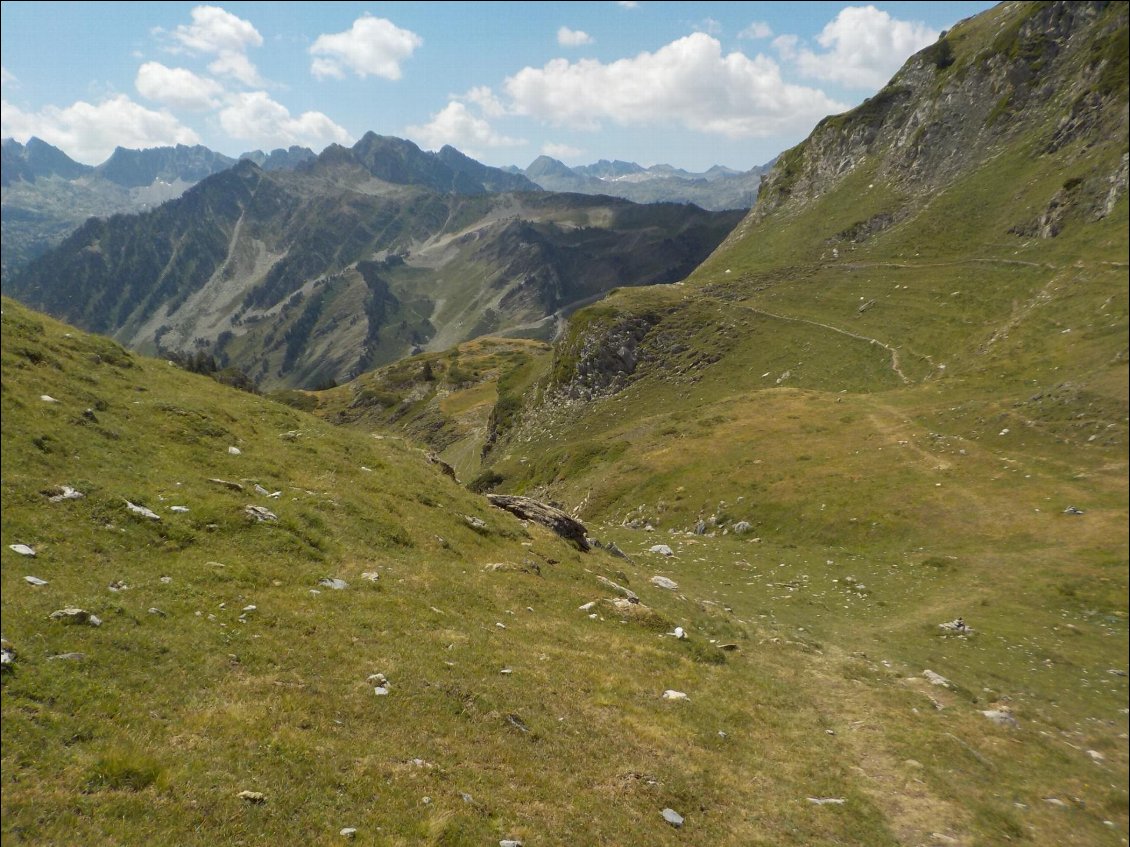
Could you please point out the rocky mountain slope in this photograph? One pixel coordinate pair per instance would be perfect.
(357, 258)
(46, 195)
(718, 188)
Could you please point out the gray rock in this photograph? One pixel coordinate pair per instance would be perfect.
(1072, 510)
(827, 801)
(47, 398)
(63, 492)
(234, 451)
(67, 657)
(1001, 717)
(661, 549)
(256, 797)
(226, 483)
(742, 527)
(631, 596)
(672, 694)
(672, 817)
(529, 509)
(178, 509)
(76, 617)
(936, 679)
(348, 832)
(260, 514)
(34, 580)
(142, 511)
(153, 610)
(664, 582)
(22, 549)
(700, 528)
(333, 582)
(509, 842)
(477, 524)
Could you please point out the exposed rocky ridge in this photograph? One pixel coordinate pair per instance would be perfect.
(355, 259)
(950, 108)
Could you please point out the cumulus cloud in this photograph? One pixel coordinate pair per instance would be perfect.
(7, 78)
(756, 30)
(371, 47)
(456, 125)
(627, 4)
(688, 82)
(216, 31)
(253, 116)
(177, 87)
(484, 97)
(709, 25)
(863, 47)
(89, 132)
(560, 151)
(573, 37)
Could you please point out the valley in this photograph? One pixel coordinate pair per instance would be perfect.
(852, 466)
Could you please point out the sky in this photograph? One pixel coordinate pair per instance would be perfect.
(686, 84)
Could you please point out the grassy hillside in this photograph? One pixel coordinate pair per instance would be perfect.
(901, 372)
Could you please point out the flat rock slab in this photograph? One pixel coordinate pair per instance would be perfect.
(529, 509)
(672, 817)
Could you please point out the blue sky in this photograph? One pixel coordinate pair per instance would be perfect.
(688, 84)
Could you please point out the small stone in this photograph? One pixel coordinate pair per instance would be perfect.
(34, 580)
(477, 524)
(1072, 510)
(333, 582)
(500, 625)
(178, 509)
(153, 610)
(260, 489)
(506, 671)
(226, 483)
(260, 514)
(1055, 801)
(76, 617)
(1001, 717)
(117, 585)
(142, 511)
(664, 582)
(509, 842)
(234, 451)
(348, 832)
(1095, 755)
(827, 801)
(672, 694)
(586, 607)
(672, 817)
(371, 576)
(680, 633)
(742, 527)
(256, 797)
(67, 657)
(22, 549)
(47, 398)
(661, 549)
(381, 691)
(63, 492)
(936, 679)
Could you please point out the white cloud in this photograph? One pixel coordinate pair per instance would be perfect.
(457, 126)
(688, 82)
(216, 31)
(371, 47)
(253, 116)
(89, 132)
(573, 37)
(177, 87)
(488, 103)
(627, 4)
(560, 151)
(7, 77)
(756, 30)
(863, 47)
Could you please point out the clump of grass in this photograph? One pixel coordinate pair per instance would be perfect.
(124, 769)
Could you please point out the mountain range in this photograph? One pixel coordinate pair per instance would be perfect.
(854, 488)
(356, 258)
(46, 195)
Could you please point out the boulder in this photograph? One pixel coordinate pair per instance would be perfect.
(529, 509)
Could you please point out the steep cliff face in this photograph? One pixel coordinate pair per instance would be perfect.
(1047, 74)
